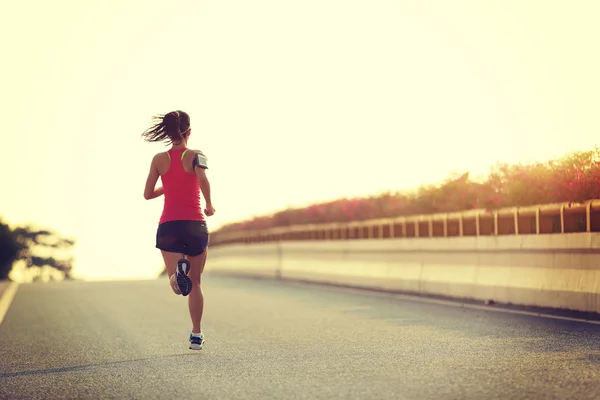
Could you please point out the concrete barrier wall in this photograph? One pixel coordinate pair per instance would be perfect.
(556, 271)
(257, 260)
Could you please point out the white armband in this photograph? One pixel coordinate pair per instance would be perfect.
(201, 161)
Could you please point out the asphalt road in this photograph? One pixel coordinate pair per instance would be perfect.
(278, 340)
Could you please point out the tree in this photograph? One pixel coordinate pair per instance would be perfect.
(9, 250)
(571, 178)
(24, 243)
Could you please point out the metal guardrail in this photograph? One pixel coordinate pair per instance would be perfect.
(539, 219)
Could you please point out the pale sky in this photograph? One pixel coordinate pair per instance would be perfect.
(292, 101)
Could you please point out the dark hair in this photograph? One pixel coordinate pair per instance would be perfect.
(171, 128)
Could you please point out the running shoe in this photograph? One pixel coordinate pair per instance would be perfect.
(196, 341)
(184, 283)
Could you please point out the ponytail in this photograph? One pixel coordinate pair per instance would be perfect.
(171, 123)
(168, 128)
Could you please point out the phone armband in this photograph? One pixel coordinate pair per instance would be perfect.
(200, 161)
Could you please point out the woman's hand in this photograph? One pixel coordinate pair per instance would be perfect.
(209, 210)
(158, 192)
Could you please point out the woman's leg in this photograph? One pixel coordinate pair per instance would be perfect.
(169, 241)
(171, 265)
(196, 299)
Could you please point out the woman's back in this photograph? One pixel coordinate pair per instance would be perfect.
(181, 188)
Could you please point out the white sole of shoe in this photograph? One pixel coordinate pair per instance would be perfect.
(194, 346)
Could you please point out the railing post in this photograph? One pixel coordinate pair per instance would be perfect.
(403, 227)
(380, 230)
(477, 226)
(537, 221)
(588, 217)
(496, 222)
(431, 226)
(416, 223)
(460, 224)
(392, 233)
(516, 219)
(562, 218)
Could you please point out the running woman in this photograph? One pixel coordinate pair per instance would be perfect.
(182, 234)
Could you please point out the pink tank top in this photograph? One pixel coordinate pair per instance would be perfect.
(181, 191)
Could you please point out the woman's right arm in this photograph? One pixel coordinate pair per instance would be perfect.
(205, 188)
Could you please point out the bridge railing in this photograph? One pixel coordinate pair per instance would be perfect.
(555, 218)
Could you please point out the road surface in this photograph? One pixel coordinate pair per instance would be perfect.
(282, 340)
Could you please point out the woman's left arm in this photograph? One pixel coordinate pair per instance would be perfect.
(150, 192)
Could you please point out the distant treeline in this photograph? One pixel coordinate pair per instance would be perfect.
(25, 243)
(572, 178)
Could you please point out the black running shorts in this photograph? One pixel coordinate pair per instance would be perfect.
(184, 237)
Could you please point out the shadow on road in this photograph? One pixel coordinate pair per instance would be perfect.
(86, 366)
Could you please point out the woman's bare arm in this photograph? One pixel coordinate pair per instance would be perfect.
(205, 188)
(150, 191)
